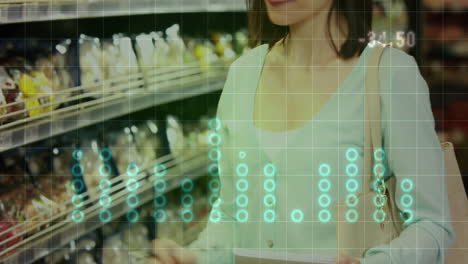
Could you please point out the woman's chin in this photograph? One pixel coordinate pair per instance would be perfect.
(281, 19)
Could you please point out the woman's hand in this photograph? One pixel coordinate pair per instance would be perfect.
(169, 252)
(347, 260)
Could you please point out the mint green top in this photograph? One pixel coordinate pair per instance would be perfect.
(281, 207)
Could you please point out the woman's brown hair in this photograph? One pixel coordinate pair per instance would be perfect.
(357, 14)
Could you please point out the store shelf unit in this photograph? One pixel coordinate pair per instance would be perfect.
(59, 229)
(110, 99)
(15, 11)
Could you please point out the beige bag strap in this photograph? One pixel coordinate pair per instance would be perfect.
(372, 129)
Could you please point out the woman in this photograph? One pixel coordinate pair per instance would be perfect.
(297, 103)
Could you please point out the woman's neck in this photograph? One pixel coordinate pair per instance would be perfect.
(308, 43)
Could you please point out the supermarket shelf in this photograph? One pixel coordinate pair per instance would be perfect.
(14, 11)
(62, 230)
(119, 97)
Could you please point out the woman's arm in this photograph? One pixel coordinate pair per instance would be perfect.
(414, 153)
(215, 243)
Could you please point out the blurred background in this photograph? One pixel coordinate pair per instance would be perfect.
(106, 107)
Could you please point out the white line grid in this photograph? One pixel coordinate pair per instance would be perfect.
(341, 122)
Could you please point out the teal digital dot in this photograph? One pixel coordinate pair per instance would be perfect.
(77, 216)
(379, 154)
(187, 185)
(406, 215)
(379, 216)
(187, 215)
(214, 154)
(352, 170)
(105, 185)
(214, 139)
(242, 200)
(352, 200)
(187, 200)
(324, 216)
(379, 185)
(269, 170)
(352, 216)
(242, 216)
(77, 185)
(324, 170)
(352, 185)
(77, 200)
(406, 185)
(242, 170)
(77, 154)
(269, 200)
(379, 170)
(160, 200)
(132, 169)
(105, 200)
(215, 216)
(160, 170)
(133, 216)
(213, 169)
(160, 215)
(380, 200)
(297, 216)
(242, 155)
(105, 154)
(214, 185)
(324, 185)
(133, 200)
(352, 154)
(105, 170)
(269, 185)
(214, 124)
(77, 170)
(132, 185)
(269, 216)
(406, 200)
(159, 185)
(212, 199)
(105, 216)
(324, 200)
(242, 185)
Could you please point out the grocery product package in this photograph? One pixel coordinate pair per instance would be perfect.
(90, 59)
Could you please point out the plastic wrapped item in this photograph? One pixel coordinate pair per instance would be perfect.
(83, 257)
(128, 59)
(175, 136)
(145, 50)
(241, 42)
(91, 163)
(161, 50)
(205, 53)
(11, 94)
(114, 251)
(6, 222)
(148, 143)
(125, 150)
(111, 61)
(90, 60)
(223, 47)
(176, 46)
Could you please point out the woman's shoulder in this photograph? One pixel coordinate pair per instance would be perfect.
(251, 57)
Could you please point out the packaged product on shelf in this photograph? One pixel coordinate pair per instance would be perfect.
(91, 70)
(111, 60)
(128, 59)
(91, 163)
(176, 46)
(161, 49)
(83, 257)
(6, 222)
(241, 42)
(175, 136)
(114, 251)
(148, 143)
(223, 46)
(60, 59)
(145, 51)
(125, 150)
(11, 93)
(205, 53)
